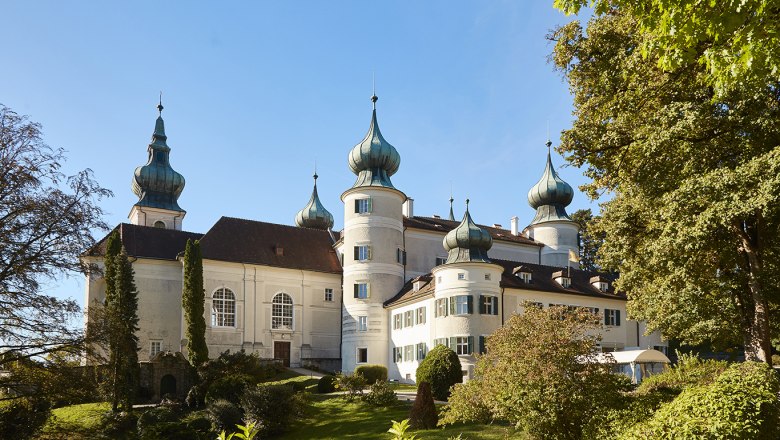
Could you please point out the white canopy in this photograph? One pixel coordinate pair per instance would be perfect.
(639, 356)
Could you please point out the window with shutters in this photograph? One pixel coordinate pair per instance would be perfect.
(408, 353)
(488, 305)
(482, 345)
(421, 315)
(398, 323)
(461, 305)
(409, 318)
(462, 345)
(362, 290)
(612, 317)
(362, 252)
(441, 307)
(398, 354)
(439, 341)
(422, 350)
(363, 206)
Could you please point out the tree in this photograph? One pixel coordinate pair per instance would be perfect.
(122, 319)
(737, 42)
(590, 238)
(693, 225)
(423, 414)
(193, 298)
(441, 369)
(46, 222)
(542, 373)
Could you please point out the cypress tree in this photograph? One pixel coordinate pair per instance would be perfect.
(122, 314)
(193, 299)
(113, 248)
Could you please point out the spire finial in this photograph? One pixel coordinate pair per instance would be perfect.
(374, 98)
(315, 172)
(549, 144)
(467, 204)
(160, 106)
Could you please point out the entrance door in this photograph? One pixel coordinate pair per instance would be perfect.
(168, 385)
(282, 351)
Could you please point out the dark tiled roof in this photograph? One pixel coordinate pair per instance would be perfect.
(147, 242)
(541, 279)
(253, 242)
(442, 225)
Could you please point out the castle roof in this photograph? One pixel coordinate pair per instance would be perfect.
(374, 160)
(467, 242)
(443, 225)
(550, 196)
(147, 242)
(314, 215)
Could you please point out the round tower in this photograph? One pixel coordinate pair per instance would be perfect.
(157, 185)
(551, 225)
(373, 249)
(314, 215)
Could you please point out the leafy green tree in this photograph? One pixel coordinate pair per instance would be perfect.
(122, 319)
(542, 373)
(441, 368)
(590, 238)
(193, 298)
(736, 42)
(693, 225)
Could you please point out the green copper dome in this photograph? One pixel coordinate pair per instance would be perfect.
(314, 215)
(156, 184)
(550, 196)
(467, 242)
(374, 160)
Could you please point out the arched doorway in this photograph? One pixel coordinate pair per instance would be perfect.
(168, 385)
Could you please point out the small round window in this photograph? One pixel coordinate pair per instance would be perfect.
(159, 224)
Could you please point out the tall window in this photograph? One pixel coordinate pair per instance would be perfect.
(362, 206)
(408, 353)
(488, 305)
(362, 290)
(223, 308)
(362, 324)
(362, 355)
(421, 315)
(441, 307)
(328, 295)
(362, 252)
(611, 317)
(409, 318)
(460, 305)
(398, 322)
(463, 345)
(422, 350)
(155, 347)
(282, 312)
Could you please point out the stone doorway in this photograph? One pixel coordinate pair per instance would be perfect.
(282, 352)
(168, 385)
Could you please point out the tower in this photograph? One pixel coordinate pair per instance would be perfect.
(373, 249)
(314, 215)
(552, 225)
(157, 185)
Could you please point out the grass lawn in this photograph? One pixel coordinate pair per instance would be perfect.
(330, 417)
(76, 417)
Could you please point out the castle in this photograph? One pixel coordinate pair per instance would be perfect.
(384, 290)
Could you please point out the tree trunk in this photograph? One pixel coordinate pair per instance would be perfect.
(757, 336)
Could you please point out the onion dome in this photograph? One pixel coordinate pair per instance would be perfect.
(314, 215)
(467, 242)
(551, 195)
(156, 184)
(374, 160)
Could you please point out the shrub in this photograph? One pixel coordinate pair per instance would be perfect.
(199, 424)
(118, 425)
(353, 384)
(441, 368)
(152, 417)
(372, 373)
(175, 430)
(423, 414)
(689, 371)
(22, 418)
(741, 404)
(230, 364)
(326, 384)
(466, 404)
(273, 407)
(228, 388)
(380, 394)
(776, 359)
(224, 415)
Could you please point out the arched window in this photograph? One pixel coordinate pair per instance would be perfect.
(223, 308)
(282, 312)
(159, 224)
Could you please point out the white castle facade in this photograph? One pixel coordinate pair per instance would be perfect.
(384, 290)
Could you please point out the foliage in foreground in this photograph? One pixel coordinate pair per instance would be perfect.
(423, 414)
(273, 407)
(227, 364)
(351, 384)
(380, 394)
(541, 373)
(372, 373)
(442, 369)
(192, 300)
(23, 417)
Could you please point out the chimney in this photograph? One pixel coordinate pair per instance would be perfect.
(408, 208)
(515, 226)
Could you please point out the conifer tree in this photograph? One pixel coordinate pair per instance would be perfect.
(192, 299)
(122, 317)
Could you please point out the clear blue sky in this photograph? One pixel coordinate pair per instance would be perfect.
(255, 92)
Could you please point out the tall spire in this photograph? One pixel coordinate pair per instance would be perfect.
(374, 160)
(314, 215)
(452, 213)
(467, 242)
(551, 195)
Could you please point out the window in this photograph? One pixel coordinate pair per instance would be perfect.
(363, 206)
(159, 224)
(438, 279)
(362, 252)
(601, 285)
(612, 317)
(362, 355)
(422, 350)
(328, 295)
(362, 323)
(440, 260)
(461, 305)
(409, 353)
(398, 354)
(482, 345)
(662, 348)
(565, 282)
(400, 256)
(154, 348)
(441, 307)
(488, 305)
(223, 308)
(439, 341)
(524, 276)
(462, 345)
(409, 318)
(362, 290)
(282, 312)
(538, 305)
(421, 315)
(487, 277)
(593, 310)
(461, 276)
(398, 322)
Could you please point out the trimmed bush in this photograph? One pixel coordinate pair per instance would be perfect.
(372, 373)
(441, 368)
(353, 384)
(380, 395)
(326, 384)
(273, 407)
(423, 414)
(228, 388)
(741, 404)
(22, 418)
(224, 415)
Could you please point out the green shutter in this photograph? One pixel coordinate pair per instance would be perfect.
(453, 344)
(436, 309)
(481, 345)
(452, 304)
(370, 205)
(470, 304)
(617, 317)
(357, 253)
(368, 292)
(357, 206)
(482, 310)
(606, 316)
(471, 345)
(357, 289)
(495, 305)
